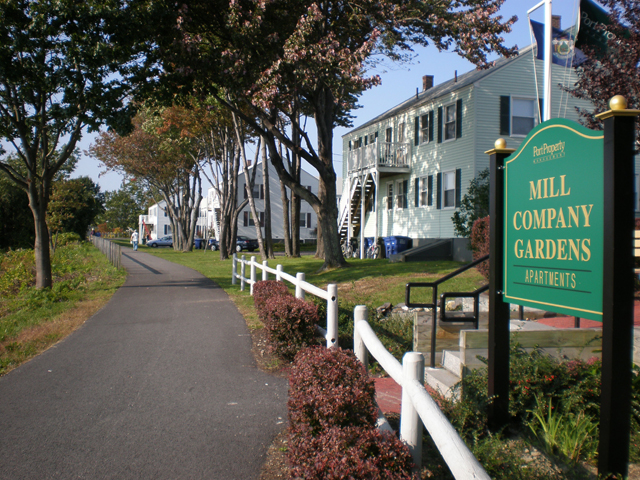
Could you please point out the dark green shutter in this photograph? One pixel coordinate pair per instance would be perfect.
(416, 184)
(541, 104)
(459, 118)
(505, 115)
(431, 126)
(458, 186)
(439, 124)
(430, 191)
(416, 127)
(405, 199)
(439, 191)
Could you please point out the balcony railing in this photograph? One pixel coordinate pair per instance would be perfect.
(380, 154)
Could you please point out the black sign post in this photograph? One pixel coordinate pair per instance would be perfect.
(498, 358)
(617, 321)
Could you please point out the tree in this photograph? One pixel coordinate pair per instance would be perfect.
(124, 206)
(16, 220)
(615, 71)
(73, 206)
(474, 205)
(287, 57)
(64, 66)
(160, 152)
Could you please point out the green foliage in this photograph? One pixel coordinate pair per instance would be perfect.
(569, 435)
(16, 219)
(74, 205)
(123, 206)
(474, 205)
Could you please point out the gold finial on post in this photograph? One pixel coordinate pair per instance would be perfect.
(500, 143)
(500, 146)
(618, 102)
(618, 108)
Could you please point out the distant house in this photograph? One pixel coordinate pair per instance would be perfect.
(407, 169)
(246, 225)
(157, 223)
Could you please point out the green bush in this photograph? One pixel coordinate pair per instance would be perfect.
(66, 238)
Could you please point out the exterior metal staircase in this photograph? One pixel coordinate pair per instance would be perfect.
(352, 209)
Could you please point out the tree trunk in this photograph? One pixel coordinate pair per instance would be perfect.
(41, 247)
(295, 199)
(285, 219)
(266, 187)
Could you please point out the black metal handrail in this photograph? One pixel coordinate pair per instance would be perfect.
(434, 304)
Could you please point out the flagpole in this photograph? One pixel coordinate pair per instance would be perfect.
(548, 27)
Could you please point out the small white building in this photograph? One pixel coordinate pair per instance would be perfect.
(157, 223)
(246, 225)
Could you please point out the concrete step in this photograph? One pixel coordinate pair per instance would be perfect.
(451, 362)
(441, 381)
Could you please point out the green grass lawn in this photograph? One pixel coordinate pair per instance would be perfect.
(364, 282)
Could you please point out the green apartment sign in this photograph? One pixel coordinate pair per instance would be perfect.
(554, 220)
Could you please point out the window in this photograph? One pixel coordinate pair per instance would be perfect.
(424, 129)
(424, 192)
(523, 117)
(388, 135)
(449, 189)
(167, 229)
(305, 220)
(389, 196)
(401, 194)
(401, 137)
(248, 219)
(449, 122)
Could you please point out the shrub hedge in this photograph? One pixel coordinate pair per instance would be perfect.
(289, 323)
(265, 289)
(480, 243)
(352, 452)
(330, 388)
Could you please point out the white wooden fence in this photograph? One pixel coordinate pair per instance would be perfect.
(330, 295)
(416, 404)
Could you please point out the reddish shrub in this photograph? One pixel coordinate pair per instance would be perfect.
(290, 324)
(330, 388)
(353, 452)
(266, 289)
(480, 243)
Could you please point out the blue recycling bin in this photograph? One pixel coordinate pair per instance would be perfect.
(389, 245)
(368, 241)
(402, 244)
(198, 243)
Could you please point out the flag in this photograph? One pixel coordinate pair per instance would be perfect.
(563, 48)
(592, 18)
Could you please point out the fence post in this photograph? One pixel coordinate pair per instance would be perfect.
(265, 274)
(410, 424)
(279, 270)
(332, 315)
(359, 348)
(242, 271)
(234, 269)
(253, 274)
(299, 291)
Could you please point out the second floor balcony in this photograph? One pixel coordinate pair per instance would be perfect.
(385, 157)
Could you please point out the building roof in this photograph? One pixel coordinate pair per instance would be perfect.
(445, 88)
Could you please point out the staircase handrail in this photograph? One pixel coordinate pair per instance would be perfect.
(434, 304)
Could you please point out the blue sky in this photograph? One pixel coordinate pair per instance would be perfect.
(399, 82)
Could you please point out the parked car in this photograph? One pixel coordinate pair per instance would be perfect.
(166, 241)
(213, 244)
(244, 243)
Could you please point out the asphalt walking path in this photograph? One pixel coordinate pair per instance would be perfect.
(160, 384)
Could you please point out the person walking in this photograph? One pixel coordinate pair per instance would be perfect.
(134, 240)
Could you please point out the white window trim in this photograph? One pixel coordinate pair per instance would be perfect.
(402, 132)
(444, 122)
(424, 187)
(424, 132)
(399, 196)
(390, 196)
(444, 174)
(535, 116)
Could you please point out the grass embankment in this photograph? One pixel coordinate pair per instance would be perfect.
(32, 320)
(365, 282)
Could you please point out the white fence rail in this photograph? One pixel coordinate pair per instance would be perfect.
(330, 295)
(417, 404)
